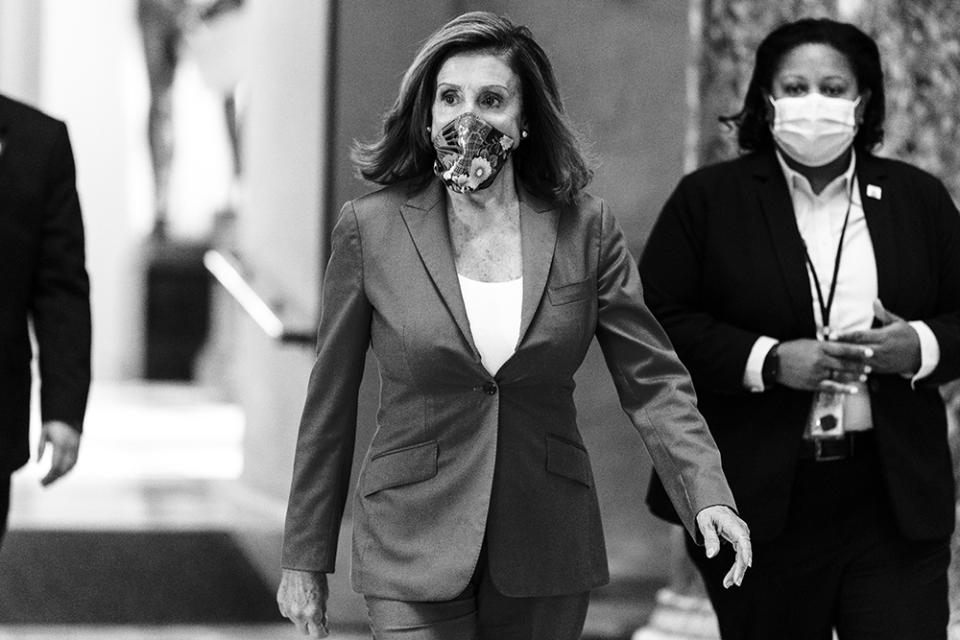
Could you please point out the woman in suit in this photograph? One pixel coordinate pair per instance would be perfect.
(479, 276)
(813, 291)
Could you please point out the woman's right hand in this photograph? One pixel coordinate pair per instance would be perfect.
(812, 365)
(302, 597)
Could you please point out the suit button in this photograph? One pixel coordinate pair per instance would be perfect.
(490, 388)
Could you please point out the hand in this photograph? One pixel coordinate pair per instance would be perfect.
(829, 365)
(718, 521)
(302, 597)
(65, 441)
(896, 345)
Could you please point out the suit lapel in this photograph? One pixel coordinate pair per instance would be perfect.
(538, 238)
(781, 222)
(425, 215)
(876, 209)
(788, 245)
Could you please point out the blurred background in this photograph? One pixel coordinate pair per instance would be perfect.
(211, 139)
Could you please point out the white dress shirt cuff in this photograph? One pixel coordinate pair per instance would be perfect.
(753, 374)
(929, 351)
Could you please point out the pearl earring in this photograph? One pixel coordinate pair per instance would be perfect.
(524, 134)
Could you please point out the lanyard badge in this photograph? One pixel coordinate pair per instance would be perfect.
(826, 413)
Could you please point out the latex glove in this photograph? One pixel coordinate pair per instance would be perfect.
(829, 365)
(895, 345)
(721, 521)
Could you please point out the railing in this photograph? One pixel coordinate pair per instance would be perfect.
(230, 274)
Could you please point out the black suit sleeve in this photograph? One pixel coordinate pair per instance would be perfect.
(61, 293)
(672, 267)
(946, 323)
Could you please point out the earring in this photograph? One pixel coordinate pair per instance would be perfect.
(524, 134)
(428, 129)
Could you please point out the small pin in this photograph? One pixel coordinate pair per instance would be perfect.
(873, 191)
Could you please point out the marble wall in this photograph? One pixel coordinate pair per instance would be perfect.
(920, 48)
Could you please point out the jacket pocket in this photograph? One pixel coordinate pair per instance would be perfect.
(567, 293)
(569, 460)
(399, 467)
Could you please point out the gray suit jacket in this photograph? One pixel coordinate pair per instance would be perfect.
(461, 457)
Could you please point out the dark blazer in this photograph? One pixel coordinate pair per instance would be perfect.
(724, 265)
(461, 458)
(42, 278)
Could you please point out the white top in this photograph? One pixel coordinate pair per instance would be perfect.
(493, 309)
(820, 221)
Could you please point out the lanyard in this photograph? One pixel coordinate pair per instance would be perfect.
(826, 305)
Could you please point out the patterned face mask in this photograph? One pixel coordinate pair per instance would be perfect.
(470, 153)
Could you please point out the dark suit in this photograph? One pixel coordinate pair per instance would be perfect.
(42, 279)
(724, 265)
(462, 459)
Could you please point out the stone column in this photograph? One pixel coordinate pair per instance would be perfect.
(20, 49)
(682, 611)
(952, 395)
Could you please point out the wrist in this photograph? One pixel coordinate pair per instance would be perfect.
(771, 367)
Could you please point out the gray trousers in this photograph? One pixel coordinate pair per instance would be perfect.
(480, 613)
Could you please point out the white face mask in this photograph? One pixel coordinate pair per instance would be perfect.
(814, 130)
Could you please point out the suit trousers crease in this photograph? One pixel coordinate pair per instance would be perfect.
(841, 562)
(480, 613)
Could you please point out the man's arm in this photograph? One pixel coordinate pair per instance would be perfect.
(61, 311)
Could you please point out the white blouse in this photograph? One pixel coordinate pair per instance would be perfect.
(493, 309)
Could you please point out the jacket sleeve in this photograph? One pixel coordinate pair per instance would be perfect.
(61, 293)
(716, 352)
(325, 442)
(946, 323)
(654, 388)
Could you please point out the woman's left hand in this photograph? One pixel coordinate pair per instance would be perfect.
(720, 520)
(895, 345)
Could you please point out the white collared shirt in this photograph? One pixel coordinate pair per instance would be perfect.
(820, 219)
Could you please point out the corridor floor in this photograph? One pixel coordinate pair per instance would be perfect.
(178, 470)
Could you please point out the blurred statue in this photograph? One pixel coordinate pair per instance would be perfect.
(165, 25)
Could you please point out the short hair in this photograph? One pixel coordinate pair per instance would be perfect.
(549, 161)
(753, 128)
